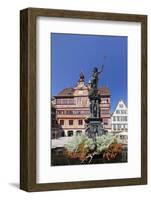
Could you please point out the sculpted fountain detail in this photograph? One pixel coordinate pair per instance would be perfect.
(94, 124)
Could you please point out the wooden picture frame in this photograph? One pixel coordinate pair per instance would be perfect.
(28, 98)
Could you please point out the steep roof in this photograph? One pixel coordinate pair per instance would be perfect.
(120, 101)
(68, 92)
(104, 91)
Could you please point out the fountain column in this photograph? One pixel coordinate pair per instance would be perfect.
(93, 122)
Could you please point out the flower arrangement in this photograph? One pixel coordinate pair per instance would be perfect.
(84, 148)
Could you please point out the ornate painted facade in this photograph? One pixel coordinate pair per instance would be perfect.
(72, 108)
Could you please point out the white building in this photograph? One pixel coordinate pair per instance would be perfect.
(119, 119)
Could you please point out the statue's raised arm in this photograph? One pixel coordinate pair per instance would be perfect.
(101, 69)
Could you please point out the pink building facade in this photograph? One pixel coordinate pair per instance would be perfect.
(72, 108)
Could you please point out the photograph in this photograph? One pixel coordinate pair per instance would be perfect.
(89, 99)
(83, 99)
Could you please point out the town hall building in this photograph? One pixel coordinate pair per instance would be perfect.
(70, 108)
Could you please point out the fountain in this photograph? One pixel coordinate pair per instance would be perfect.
(94, 125)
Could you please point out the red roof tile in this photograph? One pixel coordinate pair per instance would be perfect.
(68, 92)
(104, 91)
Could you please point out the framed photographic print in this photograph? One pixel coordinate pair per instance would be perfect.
(83, 99)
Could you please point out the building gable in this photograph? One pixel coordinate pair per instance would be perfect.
(120, 106)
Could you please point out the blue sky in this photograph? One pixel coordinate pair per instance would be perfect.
(73, 53)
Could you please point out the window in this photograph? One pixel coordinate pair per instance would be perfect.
(114, 126)
(70, 122)
(70, 133)
(78, 133)
(123, 111)
(61, 122)
(124, 118)
(114, 118)
(69, 112)
(117, 111)
(60, 112)
(79, 100)
(105, 111)
(77, 112)
(103, 101)
(73, 112)
(80, 122)
(118, 118)
(118, 126)
(65, 101)
(105, 121)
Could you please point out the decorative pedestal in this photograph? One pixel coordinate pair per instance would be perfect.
(94, 128)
